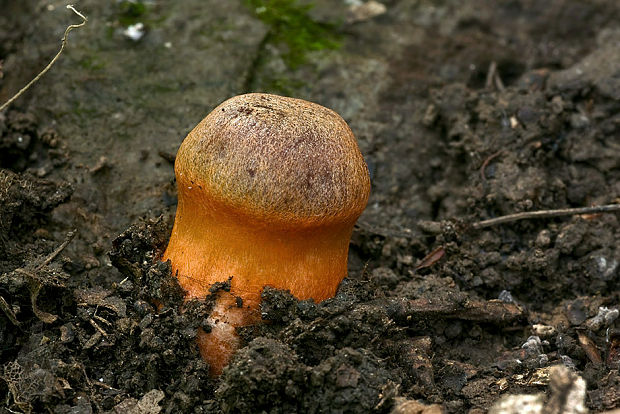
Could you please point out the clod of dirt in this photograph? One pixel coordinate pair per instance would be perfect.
(136, 254)
(24, 144)
(17, 133)
(267, 371)
(25, 202)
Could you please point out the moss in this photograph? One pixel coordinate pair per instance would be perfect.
(283, 85)
(92, 63)
(291, 26)
(131, 12)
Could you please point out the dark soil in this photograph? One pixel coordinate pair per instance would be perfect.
(464, 112)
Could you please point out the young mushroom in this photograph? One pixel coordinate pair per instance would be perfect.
(269, 189)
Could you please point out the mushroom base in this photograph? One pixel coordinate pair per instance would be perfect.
(217, 346)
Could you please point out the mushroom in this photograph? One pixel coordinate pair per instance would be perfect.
(269, 189)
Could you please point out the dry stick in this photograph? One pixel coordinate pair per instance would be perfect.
(545, 214)
(49, 65)
(493, 78)
(59, 249)
(8, 311)
(491, 311)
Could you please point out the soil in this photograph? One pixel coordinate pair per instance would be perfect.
(465, 111)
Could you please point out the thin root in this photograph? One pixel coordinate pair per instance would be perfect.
(49, 65)
(545, 214)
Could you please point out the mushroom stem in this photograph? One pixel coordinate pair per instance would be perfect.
(313, 260)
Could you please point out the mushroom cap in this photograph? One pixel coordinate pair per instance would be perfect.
(277, 160)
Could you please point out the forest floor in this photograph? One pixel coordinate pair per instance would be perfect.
(464, 111)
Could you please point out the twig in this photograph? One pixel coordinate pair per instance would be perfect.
(49, 65)
(408, 311)
(98, 328)
(545, 214)
(494, 78)
(490, 74)
(102, 319)
(104, 385)
(59, 249)
(6, 308)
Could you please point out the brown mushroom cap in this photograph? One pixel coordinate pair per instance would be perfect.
(279, 161)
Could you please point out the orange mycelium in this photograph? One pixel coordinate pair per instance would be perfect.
(269, 189)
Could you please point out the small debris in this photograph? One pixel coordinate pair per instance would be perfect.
(148, 404)
(613, 354)
(604, 318)
(102, 164)
(543, 330)
(8, 311)
(543, 239)
(589, 348)
(579, 121)
(568, 362)
(486, 163)
(134, 32)
(534, 346)
(514, 122)
(567, 392)
(431, 258)
(493, 78)
(430, 115)
(359, 12)
(405, 406)
(605, 268)
(67, 333)
(100, 298)
(519, 404)
(506, 297)
(539, 377)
